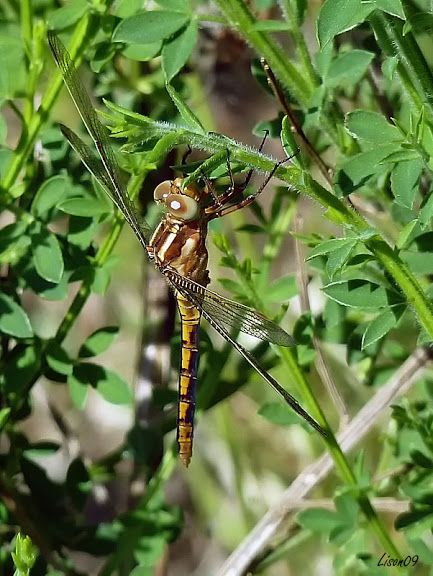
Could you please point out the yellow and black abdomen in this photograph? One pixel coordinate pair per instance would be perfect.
(188, 376)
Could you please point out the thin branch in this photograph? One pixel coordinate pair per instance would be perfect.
(390, 505)
(295, 124)
(258, 539)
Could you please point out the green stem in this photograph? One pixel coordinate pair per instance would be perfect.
(337, 455)
(240, 17)
(26, 34)
(406, 281)
(28, 137)
(412, 67)
(299, 41)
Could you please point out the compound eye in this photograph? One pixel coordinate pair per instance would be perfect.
(183, 207)
(162, 191)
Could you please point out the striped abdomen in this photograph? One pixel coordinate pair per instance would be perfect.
(190, 326)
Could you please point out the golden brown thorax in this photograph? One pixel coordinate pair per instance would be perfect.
(179, 240)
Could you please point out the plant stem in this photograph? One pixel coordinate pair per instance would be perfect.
(412, 67)
(288, 9)
(240, 17)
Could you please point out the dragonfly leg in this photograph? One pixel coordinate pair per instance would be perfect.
(249, 199)
(234, 190)
(211, 190)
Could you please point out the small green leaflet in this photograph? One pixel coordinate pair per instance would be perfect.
(360, 293)
(13, 320)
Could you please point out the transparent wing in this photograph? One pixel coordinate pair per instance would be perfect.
(107, 170)
(229, 313)
(246, 320)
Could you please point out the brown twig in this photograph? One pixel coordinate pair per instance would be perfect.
(296, 126)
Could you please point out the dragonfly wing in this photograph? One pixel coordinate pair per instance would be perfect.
(196, 299)
(97, 169)
(111, 180)
(230, 313)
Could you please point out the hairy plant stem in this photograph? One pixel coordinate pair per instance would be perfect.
(412, 67)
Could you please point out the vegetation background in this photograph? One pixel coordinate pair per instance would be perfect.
(88, 466)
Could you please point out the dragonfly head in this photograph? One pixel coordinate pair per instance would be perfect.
(183, 204)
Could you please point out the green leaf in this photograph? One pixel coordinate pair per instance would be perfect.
(329, 246)
(109, 384)
(426, 210)
(418, 22)
(281, 290)
(359, 293)
(58, 359)
(13, 320)
(338, 258)
(420, 459)
(83, 206)
(101, 280)
(4, 417)
(269, 26)
(389, 66)
(318, 520)
(142, 52)
(356, 171)
(279, 414)
(67, 15)
(405, 236)
(178, 49)
(41, 449)
(78, 391)
(381, 325)
(416, 522)
(392, 7)
(127, 8)
(98, 342)
(348, 68)
(14, 243)
(337, 16)
(419, 263)
(18, 375)
(405, 182)
(174, 5)
(401, 155)
(150, 27)
(187, 114)
(48, 195)
(289, 143)
(12, 69)
(149, 550)
(47, 255)
(372, 127)
(114, 389)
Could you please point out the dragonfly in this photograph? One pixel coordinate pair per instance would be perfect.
(177, 248)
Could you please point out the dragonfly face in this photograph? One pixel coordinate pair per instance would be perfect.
(177, 248)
